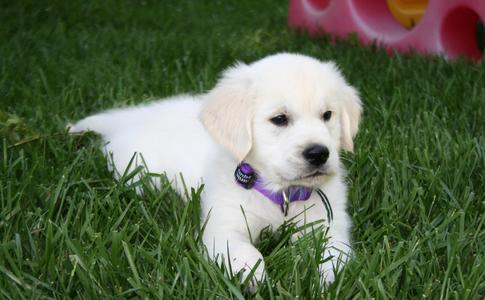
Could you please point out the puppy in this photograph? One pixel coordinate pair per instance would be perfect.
(265, 142)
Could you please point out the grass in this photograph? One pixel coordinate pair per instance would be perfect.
(69, 230)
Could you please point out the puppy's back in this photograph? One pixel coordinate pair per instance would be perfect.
(166, 136)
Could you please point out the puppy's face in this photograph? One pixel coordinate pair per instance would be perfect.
(295, 137)
(287, 115)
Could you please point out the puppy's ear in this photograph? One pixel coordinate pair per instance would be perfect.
(227, 112)
(349, 118)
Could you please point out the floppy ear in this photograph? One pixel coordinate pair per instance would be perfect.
(349, 118)
(227, 112)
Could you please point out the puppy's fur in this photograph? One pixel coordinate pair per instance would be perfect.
(205, 137)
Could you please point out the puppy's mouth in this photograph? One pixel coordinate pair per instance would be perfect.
(310, 178)
(314, 174)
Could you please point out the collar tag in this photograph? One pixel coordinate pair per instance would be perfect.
(286, 204)
(245, 176)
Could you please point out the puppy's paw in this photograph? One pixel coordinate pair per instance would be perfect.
(252, 286)
(327, 272)
(253, 279)
(336, 260)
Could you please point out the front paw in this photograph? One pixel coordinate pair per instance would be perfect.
(336, 258)
(252, 286)
(250, 276)
(327, 272)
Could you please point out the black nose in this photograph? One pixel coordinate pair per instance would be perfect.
(316, 154)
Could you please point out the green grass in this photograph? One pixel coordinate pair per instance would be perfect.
(69, 230)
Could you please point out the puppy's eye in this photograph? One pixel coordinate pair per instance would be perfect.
(279, 120)
(327, 115)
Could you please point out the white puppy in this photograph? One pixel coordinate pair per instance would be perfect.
(266, 142)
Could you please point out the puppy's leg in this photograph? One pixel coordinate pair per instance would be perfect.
(228, 241)
(337, 245)
(337, 249)
(238, 255)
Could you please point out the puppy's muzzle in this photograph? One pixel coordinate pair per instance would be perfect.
(316, 154)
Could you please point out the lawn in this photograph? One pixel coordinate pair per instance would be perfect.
(69, 230)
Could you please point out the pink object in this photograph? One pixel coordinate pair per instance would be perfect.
(448, 27)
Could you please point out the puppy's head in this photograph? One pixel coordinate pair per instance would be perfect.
(288, 115)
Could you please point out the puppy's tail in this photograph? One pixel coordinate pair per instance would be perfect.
(98, 123)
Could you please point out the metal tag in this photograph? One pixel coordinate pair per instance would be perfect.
(286, 204)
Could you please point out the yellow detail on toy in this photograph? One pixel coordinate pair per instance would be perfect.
(407, 12)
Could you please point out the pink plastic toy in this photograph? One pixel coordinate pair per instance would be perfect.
(447, 27)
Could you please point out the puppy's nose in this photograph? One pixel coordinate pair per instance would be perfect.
(316, 154)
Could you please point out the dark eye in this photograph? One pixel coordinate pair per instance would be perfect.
(279, 120)
(327, 115)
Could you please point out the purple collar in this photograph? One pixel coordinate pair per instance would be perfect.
(247, 178)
